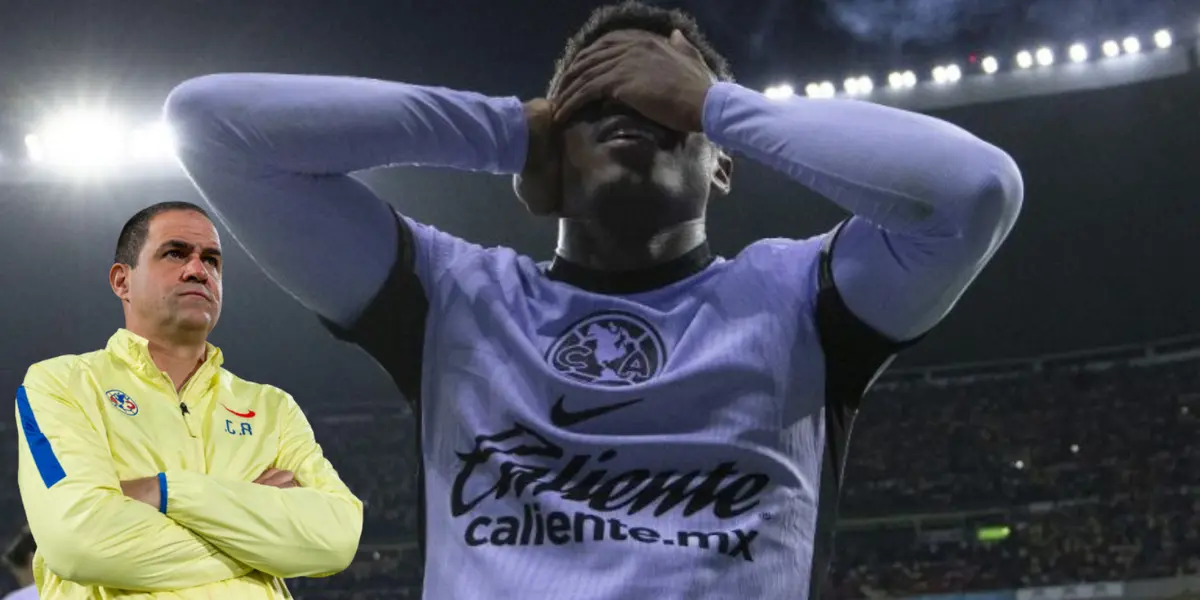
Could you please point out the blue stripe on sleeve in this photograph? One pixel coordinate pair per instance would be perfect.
(43, 454)
(162, 493)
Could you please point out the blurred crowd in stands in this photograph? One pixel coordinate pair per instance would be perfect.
(1040, 479)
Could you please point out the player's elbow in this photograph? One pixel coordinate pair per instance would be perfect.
(342, 545)
(199, 112)
(332, 547)
(991, 212)
(79, 560)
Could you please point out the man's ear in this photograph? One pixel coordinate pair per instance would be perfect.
(118, 279)
(722, 175)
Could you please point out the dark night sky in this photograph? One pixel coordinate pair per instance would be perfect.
(1097, 257)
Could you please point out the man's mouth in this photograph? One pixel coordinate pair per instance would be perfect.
(626, 129)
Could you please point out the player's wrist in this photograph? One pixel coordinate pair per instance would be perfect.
(161, 480)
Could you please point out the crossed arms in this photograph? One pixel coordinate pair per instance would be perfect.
(212, 529)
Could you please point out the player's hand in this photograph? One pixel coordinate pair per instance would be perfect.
(665, 80)
(144, 489)
(277, 478)
(539, 185)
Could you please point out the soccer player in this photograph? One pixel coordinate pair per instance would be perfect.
(148, 467)
(636, 418)
(19, 559)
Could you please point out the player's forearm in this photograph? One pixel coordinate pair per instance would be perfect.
(322, 125)
(98, 537)
(295, 532)
(902, 171)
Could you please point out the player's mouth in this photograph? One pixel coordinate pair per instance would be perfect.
(622, 130)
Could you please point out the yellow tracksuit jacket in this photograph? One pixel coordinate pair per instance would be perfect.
(87, 422)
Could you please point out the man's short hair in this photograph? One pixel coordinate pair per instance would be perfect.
(20, 553)
(635, 15)
(137, 229)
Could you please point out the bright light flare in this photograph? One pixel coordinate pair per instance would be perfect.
(1163, 39)
(824, 89)
(1044, 57)
(858, 85)
(1078, 53)
(84, 139)
(95, 141)
(902, 79)
(1132, 45)
(990, 65)
(782, 91)
(1024, 59)
(947, 74)
(1111, 49)
(151, 143)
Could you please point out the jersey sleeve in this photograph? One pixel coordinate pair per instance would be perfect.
(392, 327)
(855, 353)
(931, 202)
(87, 531)
(274, 155)
(309, 531)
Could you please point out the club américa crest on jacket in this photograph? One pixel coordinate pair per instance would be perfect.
(122, 402)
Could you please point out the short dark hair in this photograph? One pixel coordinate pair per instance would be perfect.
(137, 229)
(20, 553)
(635, 15)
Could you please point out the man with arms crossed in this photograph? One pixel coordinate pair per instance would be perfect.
(147, 467)
(636, 418)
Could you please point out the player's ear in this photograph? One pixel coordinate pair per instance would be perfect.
(722, 174)
(118, 279)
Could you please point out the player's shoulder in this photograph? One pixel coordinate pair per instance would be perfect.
(781, 258)
(63, 368)
(441, 252)
(243, 388)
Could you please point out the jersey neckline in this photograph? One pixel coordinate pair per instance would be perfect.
(631, 282)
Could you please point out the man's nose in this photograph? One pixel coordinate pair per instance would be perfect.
(194, 270)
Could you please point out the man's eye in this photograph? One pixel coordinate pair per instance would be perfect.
(175, 253)
(212, 260)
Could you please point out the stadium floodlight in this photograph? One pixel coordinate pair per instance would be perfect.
(1020, 464)
(1024, 59)
(1074, 448)
(78, 139)
(152, 143)
(1132, 45)
(1078, 53)
(858, 85)
(779, 92)
(1044, 57)
(1111, 49)
(990, 65)
(946, 74)
(824, 89)
(1162, 39)
(902, 79)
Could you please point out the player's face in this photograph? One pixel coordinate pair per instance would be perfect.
(619, 165)
(177, 283)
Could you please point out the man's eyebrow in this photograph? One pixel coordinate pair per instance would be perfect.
(182, 245)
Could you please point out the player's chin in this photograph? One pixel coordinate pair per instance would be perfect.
(197, 319)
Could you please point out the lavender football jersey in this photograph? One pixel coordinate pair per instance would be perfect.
(681, 441)
(670, 433)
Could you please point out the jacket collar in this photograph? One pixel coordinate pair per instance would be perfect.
(134, 350)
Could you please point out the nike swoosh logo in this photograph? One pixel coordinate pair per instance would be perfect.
(245, 415)
(561, 417)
